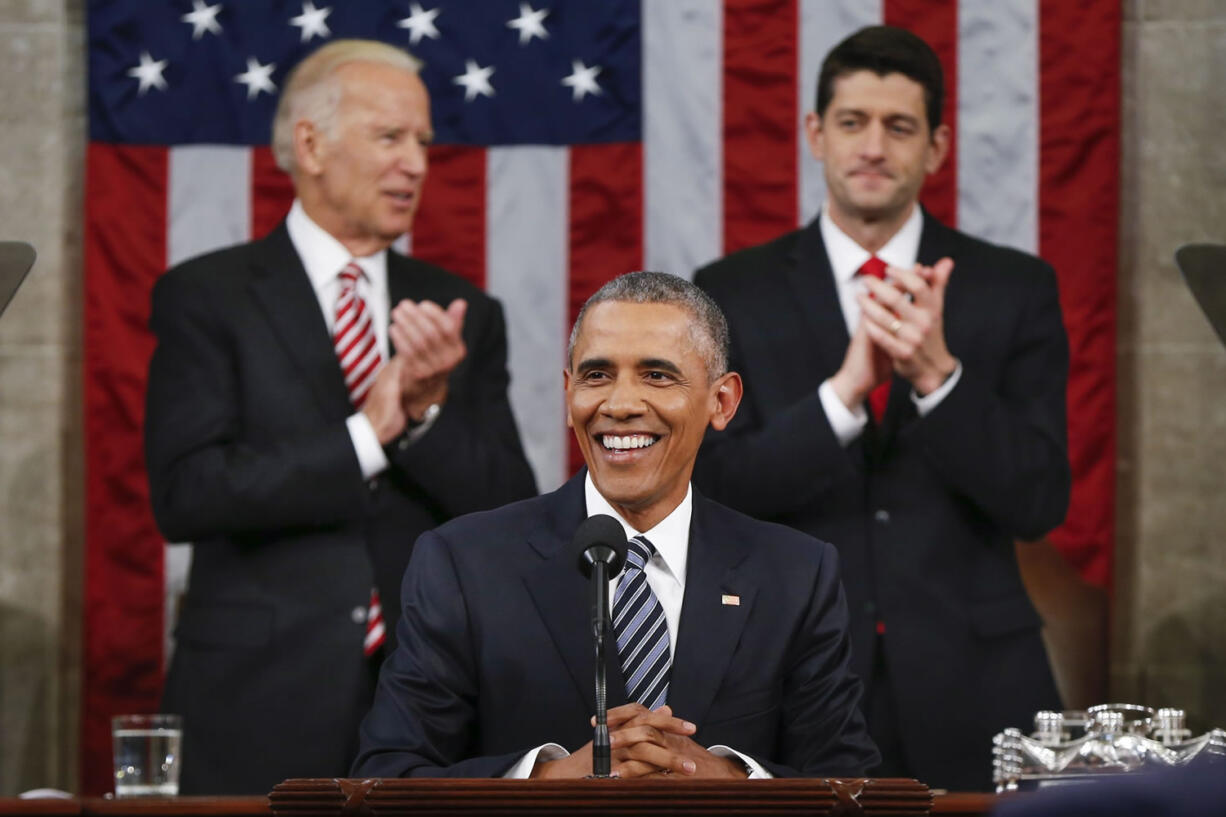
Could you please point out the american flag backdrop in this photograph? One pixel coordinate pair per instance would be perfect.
(576, 140)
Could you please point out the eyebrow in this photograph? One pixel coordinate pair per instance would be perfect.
(646, 363)
(889, 116)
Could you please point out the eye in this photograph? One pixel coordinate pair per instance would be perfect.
(657, 376)
(595, 376)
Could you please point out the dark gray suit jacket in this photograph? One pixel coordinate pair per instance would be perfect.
(924, 512)
(495, 653)
(249, 458)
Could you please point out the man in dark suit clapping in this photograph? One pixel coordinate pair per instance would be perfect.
(905, 400)
(315, 402)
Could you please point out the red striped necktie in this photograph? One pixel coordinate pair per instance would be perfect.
(880, 395)
(353, 337)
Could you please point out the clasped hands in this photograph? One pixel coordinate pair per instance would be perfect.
(901, 330)
(428, 343)
(645, 743)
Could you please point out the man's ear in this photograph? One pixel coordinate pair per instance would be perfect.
(814, 136)
(938, 149)
(726, 396)
(566, 390)
(308, 148)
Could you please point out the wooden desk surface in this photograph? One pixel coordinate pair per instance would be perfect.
(960, 803)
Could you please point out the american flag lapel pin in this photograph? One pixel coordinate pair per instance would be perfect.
(730, 600)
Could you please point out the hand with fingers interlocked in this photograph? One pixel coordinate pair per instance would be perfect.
(645, 743)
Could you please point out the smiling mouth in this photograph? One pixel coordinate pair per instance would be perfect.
(625, 442)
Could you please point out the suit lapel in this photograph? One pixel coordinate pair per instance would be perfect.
(281, 287)
(710, 627)
(562, 597)
(812, 284)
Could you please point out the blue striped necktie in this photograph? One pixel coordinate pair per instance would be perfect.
(641, 630)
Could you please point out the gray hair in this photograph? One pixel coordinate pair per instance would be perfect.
(313, 92)
(708, 329)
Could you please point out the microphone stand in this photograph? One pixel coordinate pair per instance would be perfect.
(600, 627)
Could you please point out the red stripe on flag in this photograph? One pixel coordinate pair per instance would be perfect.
(449, 229)
(937, 24)
(606, 223)
(272, 192)
(760, 121)
(125, 252)
(1079, 104)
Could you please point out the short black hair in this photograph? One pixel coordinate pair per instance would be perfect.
(885, 50)
(708, 330)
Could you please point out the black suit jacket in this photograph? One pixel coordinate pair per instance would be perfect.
(495, 654)
(924, 511)
(249, 458)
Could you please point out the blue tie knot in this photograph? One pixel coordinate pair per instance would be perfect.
(639, 552)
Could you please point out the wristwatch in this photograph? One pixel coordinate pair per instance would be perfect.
(427, 416)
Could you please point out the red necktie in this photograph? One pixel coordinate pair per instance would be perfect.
(353, 337)
(880, 395)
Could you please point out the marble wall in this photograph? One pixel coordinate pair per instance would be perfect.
(1168, 641)
(42, 119)
(1169, 624)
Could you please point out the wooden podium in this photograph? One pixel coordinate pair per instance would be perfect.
(600, 798)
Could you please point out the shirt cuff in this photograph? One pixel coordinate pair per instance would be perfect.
(846, 423)
(933, 398)
(756, 772)
(371, 458)
(522, 769)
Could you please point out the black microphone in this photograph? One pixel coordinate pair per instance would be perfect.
(600, 551)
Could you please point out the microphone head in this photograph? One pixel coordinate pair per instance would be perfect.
(599, 538)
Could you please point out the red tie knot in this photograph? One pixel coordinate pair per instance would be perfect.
(350, 274)
(874, 266)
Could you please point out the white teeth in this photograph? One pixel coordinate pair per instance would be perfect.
(631, 441)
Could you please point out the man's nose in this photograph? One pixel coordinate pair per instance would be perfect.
(624, 399)
(413, 158)
(873, 143)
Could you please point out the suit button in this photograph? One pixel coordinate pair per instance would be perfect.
(358, 614)
(402, 444)
(881, 516)
(869, 608)
(373, 484)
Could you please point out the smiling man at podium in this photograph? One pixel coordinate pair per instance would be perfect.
(733, 656)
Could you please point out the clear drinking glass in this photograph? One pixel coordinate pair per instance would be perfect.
(146, 754)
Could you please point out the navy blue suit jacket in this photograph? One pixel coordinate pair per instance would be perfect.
(495, 651)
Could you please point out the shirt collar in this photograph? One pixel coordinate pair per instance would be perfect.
(846, 256)
(323, 256)
(671, 536)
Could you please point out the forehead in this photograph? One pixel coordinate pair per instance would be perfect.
(625, 330)
(382, 89)
(867, 91)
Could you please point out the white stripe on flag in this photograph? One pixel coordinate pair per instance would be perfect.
(526, 268)
(823, 23)
(998, 115)
(682, 124)
(209, 199)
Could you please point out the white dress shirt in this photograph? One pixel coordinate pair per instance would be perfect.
(323, 258)
(846, 257)
(665, 575)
